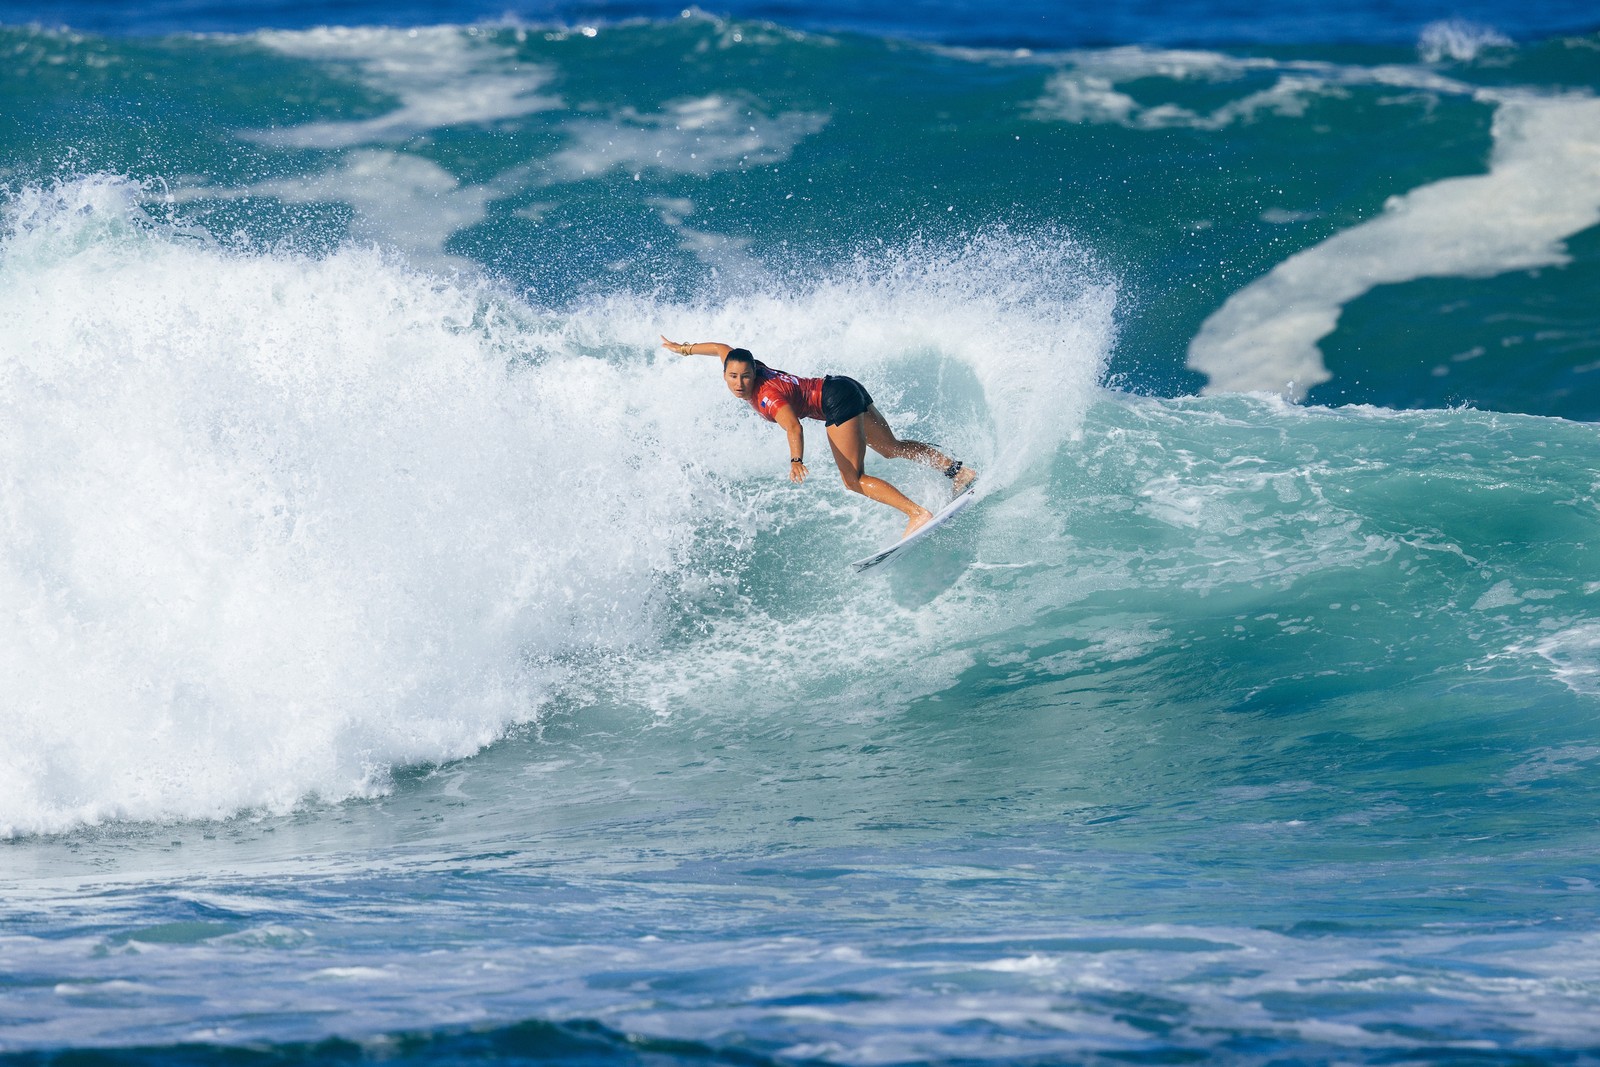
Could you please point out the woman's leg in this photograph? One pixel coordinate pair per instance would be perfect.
(849, 443)
(887, 445)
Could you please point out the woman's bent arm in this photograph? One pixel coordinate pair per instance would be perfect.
(786, 418)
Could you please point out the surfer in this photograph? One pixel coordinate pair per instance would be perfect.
(845, 408)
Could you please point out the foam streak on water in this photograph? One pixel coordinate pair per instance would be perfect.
(1543, 186)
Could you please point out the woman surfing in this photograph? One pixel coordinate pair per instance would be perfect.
(845, 408)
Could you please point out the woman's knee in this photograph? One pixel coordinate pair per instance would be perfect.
(851, 482)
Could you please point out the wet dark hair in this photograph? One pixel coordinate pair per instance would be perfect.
(738, 355)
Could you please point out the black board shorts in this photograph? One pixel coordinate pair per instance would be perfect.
(843, 399)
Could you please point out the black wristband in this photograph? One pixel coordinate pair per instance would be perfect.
(797, 461)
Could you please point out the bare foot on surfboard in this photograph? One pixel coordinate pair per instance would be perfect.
(917, 521)
(963, 480)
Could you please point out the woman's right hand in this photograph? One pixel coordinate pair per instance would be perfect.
(676, 346)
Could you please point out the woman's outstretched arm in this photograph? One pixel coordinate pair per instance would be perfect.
(697, 348)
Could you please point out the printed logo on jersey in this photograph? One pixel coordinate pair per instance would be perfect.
(770, 400)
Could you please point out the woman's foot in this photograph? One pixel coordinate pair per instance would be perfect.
(917, 520)
(963, 477)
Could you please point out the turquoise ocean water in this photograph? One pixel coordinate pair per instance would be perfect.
(403, 660)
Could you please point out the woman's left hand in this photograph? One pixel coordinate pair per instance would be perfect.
(797, 473)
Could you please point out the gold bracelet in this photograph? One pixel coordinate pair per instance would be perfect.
(687, 349)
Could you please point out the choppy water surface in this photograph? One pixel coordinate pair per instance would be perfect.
(405, 659)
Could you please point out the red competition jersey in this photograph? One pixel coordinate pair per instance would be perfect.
(775, 388)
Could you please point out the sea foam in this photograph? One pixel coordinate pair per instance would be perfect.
(1542, 187)
(276, 525)
(440, 76)
(1457, 39)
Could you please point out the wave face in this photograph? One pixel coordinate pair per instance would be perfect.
(405, 657)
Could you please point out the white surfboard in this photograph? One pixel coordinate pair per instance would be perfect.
(949, 511)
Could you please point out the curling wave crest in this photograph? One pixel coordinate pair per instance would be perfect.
(278, 525)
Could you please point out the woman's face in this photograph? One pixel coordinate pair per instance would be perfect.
(741, 378)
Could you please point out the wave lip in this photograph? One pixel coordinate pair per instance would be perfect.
(1457, 39)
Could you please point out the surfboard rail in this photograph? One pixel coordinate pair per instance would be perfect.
(943, 515)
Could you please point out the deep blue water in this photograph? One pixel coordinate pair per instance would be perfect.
(406, 660)
(1029, 23)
